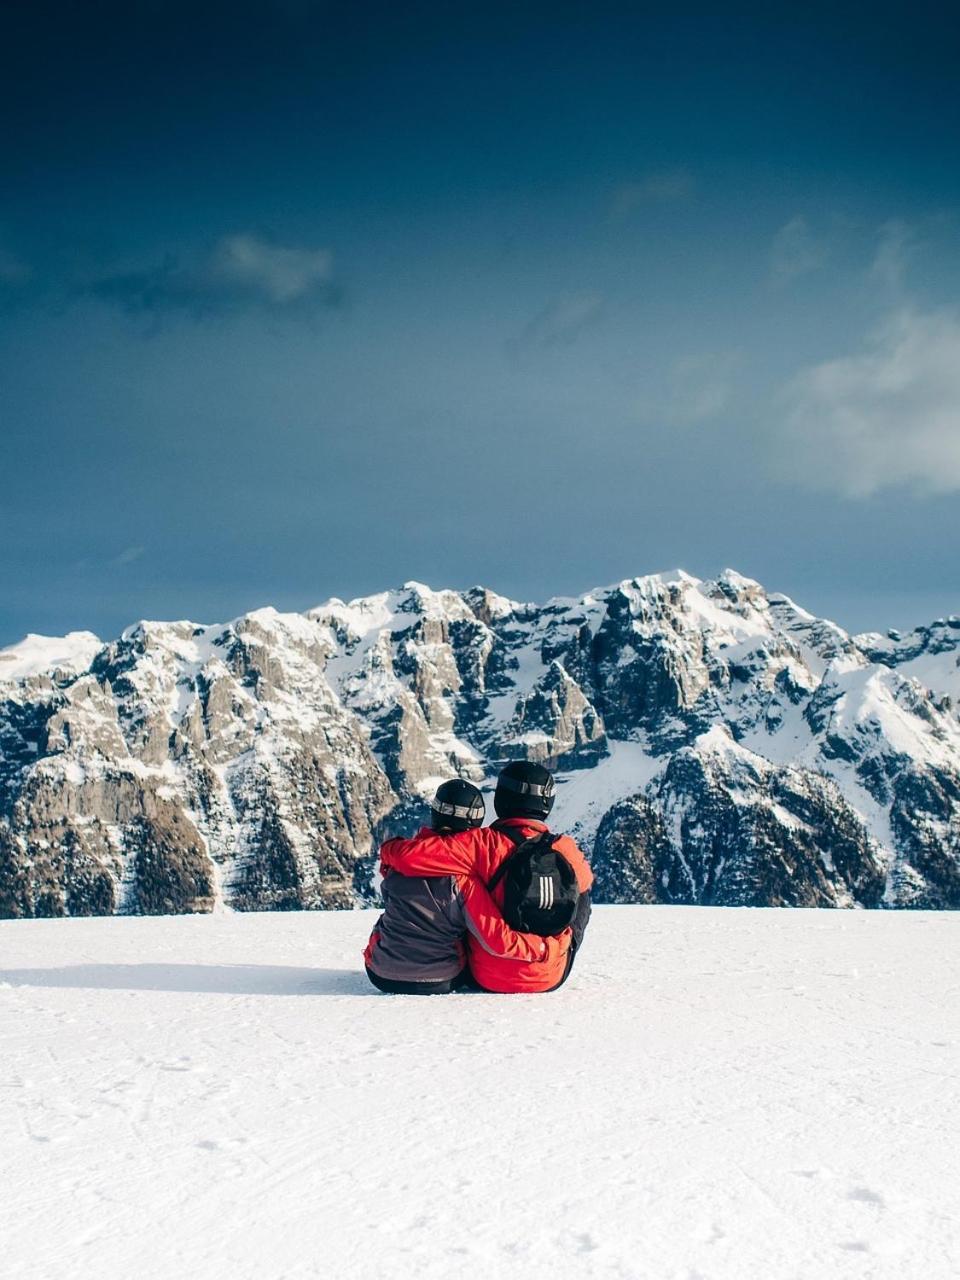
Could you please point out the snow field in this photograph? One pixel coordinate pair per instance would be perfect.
(715, 1093)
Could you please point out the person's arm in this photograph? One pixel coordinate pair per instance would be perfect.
(429, 854)
(580, 921)
(577, 859)
(485, 921)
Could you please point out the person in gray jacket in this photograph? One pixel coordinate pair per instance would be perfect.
(417, 945)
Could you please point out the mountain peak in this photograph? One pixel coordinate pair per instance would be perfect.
(37, 655)
(711, 744)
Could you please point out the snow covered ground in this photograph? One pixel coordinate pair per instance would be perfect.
(715, 1093)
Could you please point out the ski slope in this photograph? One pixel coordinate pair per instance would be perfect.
(716, 1093)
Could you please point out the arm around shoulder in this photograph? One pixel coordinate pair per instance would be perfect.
(430, 854)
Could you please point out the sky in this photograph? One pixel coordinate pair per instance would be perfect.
(301, 300)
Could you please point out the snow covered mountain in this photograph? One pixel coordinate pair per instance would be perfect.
(714, 744)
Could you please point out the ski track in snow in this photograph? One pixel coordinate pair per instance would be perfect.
(715, 1093)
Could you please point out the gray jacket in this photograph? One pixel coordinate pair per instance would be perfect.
(419, 937)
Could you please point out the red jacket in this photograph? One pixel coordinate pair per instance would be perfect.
(420, 937)
(500, 958)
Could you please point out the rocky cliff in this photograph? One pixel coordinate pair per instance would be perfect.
(714, 744)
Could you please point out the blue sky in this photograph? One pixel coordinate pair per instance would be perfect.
(302, 299)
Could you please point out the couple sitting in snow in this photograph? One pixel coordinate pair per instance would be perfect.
(502, 907)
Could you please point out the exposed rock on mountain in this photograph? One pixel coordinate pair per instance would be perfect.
(714, 744)
(722, 827)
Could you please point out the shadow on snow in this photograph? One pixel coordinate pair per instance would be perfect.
(202, 979)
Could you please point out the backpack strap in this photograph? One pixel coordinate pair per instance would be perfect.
(514, 836)
(518, 841)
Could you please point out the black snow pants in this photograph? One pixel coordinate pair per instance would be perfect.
(441, 988)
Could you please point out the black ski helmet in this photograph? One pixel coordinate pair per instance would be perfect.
(457, 806)
(524, 790)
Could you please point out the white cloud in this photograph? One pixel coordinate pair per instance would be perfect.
(887, 417)
(563, 320)
(896, 247)
(280, 274)
(796, 251)
(128, 555)
(240, 272)
(701, 387)
(663, 186)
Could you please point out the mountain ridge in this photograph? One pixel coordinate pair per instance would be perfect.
(714, 743)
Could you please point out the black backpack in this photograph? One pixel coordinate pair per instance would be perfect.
(540, 890)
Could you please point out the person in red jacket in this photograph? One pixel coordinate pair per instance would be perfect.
(418, 945)
(523, 800)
